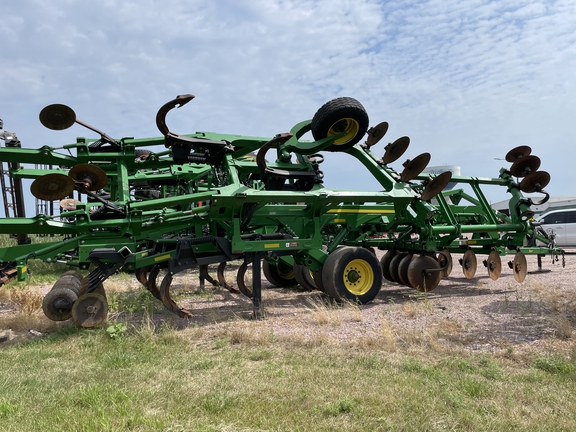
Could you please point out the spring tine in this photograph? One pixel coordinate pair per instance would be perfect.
(222, 279)
(240, 280)
(167, 300)
(151, 282)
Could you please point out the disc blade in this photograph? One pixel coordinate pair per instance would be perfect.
(415, 167)
(424, 273)
(396, 149)
(90, 310)
(376, 133)
(57, 117)
(436, 185)
(52, 187)
(469, 264)
(494, 265)
(445, 260)
(517, 153)
(93, 177)
(535, 182)
(525, 165)
(520, 267)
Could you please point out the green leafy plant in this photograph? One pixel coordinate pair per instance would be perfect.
(116, 331)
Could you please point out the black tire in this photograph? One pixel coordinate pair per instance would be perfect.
(385, 264)
(395, 266)
(343, 114)
(280, 275)
(317, 276)
(352, 273)
(138, 153)
(304, 277)
(403, 270)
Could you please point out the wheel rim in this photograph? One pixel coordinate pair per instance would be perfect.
(358, 277)
(286, 273)
(345, 125)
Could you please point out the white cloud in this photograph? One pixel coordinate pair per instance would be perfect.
(466, 80)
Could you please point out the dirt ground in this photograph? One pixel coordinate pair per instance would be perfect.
(478, 314)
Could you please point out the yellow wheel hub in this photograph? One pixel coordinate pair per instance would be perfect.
(348, 126)
(358, 277)
(285, 274)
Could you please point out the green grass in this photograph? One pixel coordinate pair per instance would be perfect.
(133, 375)
(147, 379)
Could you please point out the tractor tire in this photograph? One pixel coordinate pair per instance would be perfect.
(352, 273)
(340, 115)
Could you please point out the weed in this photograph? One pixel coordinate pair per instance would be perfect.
(553, 364)
(343, 406)
(116, 331)
(260, 355)
(217, 402)
(7, 408)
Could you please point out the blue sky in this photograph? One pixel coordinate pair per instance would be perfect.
(466, 80)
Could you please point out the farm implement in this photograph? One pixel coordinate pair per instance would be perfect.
(160, 206)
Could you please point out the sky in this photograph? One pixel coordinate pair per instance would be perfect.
(466, 80)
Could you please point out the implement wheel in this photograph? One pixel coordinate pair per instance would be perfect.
(352, 273)
(403, 269)
(342, 115)
(395, 266)
(385, 264)
(304, 277)
(317, 277)
(280, 274)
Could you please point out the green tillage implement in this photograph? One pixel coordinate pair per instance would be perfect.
(212, 198)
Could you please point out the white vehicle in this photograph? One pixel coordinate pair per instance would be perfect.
(561, 224)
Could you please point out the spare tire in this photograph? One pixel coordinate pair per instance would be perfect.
(341, 115)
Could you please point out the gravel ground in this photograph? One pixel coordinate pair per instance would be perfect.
(476, 314)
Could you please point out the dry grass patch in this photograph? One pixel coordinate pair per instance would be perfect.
(417, 306)
(387, 334)
(4, 295)
(28, 302)
(328, 312)
(562, 308)
(325, 312)
(23, 322)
